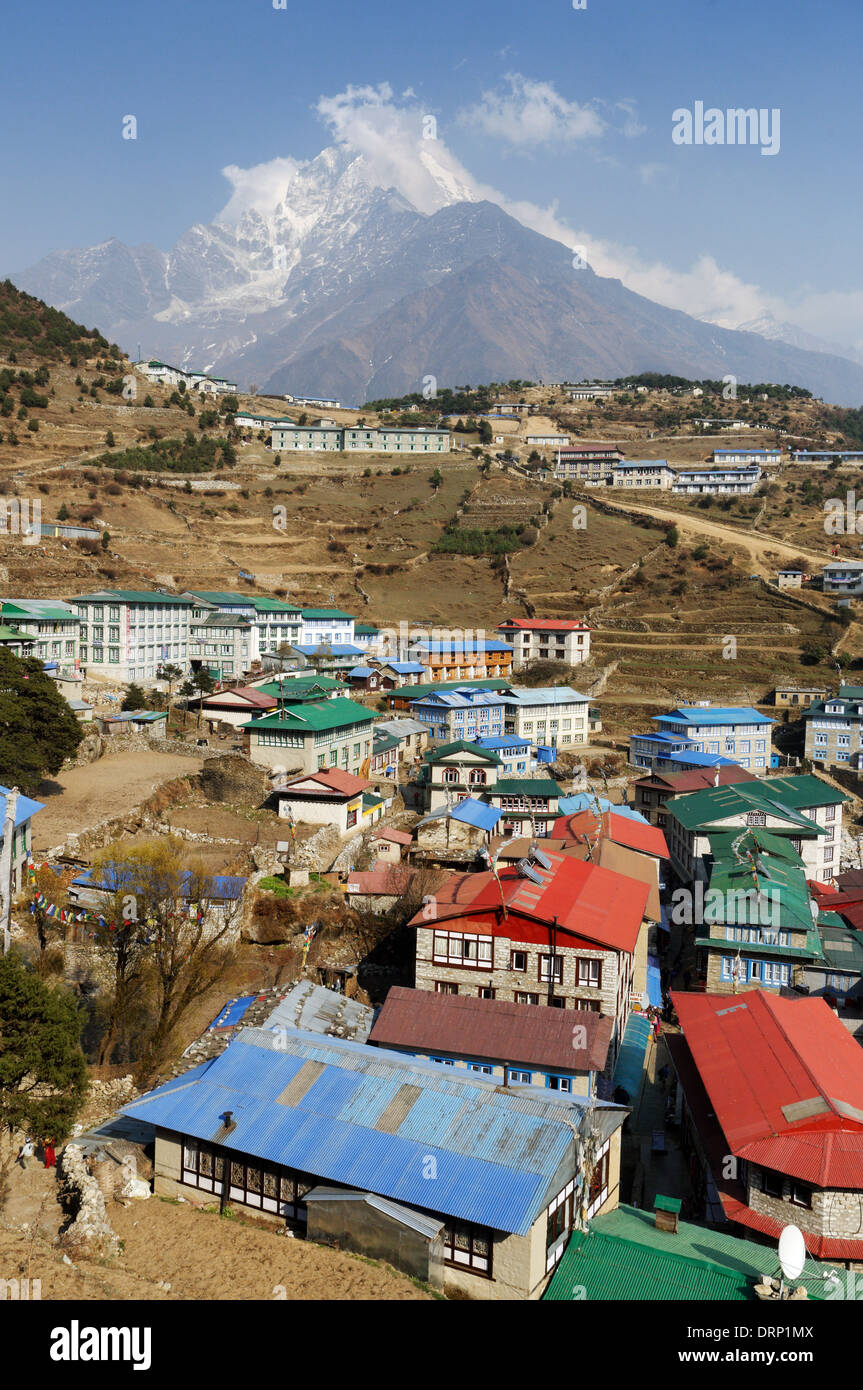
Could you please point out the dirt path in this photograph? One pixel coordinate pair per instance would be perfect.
(87, 796)
(202, 1257)
(755, 543)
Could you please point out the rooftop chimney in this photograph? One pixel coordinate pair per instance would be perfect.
(666, 1213)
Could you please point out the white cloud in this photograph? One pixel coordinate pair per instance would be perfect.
(531, 114)
(261, 187)
(388, 133)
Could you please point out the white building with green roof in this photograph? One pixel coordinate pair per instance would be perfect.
(311, 737)
(129, 634)
(53, 627)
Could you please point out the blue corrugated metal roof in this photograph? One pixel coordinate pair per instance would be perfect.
(584, 801)
(217, 885)
(25, 807)
(476, 813)
(630, 1059)
(496, 1152)
(700, 759)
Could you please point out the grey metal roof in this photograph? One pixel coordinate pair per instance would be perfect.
(313, 1008)
(426, 1225)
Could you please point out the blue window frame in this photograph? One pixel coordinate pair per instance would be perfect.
(556, 1082)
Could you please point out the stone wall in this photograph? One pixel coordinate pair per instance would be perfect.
(90, 1231)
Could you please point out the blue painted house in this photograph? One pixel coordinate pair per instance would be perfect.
(499, 1173)
(737, 732)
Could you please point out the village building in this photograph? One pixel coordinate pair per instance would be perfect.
(369, 679)
(223, 644)
(587, 463)
(637, 473)
(129, 634)
(379, 888)
(517, 1044)
(494, 1223)
(792, 696)
(717, 481)
(293, 689)
(278, 625)
(400, 673)
(326, 627)
(833, 728)
(412, 734)
(650, 793)
(567, 935)
(311, 737)
(389, 844)
(386, 751)
(555, 716)
(333, 658)
(742, 454)
(358, 439)
(803, 809)
(402, 699)
(790, 579)
(461, 713)
(826, 455)
(527, 804)
(49, 628)
(843, 577)
(589, 393)
(25, 809)
(754, 927)
(546, 639)
(455, 771)
(740, 733)
(539, 441)
(16, 641)
(462, 658)
(514, 753)
(776, 1084)
(331, 797)
(233, 706)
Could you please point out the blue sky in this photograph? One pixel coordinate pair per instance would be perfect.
(562, 109)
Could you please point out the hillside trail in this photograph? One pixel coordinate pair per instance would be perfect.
(31, 1199)
(755, 543)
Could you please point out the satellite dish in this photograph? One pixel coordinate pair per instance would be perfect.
(792, 1252)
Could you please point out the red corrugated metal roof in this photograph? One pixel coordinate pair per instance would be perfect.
(492, 1030)
(245, 692)
(822, 1247)
(593, 904)
(390, 880)
(398, 837)
(698, 779)
(622, 830)
(757, 1055)
(544, 625)
(332, 779)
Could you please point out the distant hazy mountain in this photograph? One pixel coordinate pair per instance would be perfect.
(345, 289)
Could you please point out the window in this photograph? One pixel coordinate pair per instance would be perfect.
(559, 1083)
(469, 1247)
(589, 972)
(772, 1184)
(250, 1181)
(559, 1225)
(518, 960)
(477, 777)
(518, 1078)
(486, 992)
(551, 967)
(453, 948)
(444, 987)
(830, 813)
(800, 1194)
(756, 818)
(481, 1067)
(592, 1006)
(443, 1061)
(526, 998)
(598, 1189)
(450, 774)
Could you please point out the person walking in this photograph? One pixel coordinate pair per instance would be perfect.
(25, 1153)
(50, 1156)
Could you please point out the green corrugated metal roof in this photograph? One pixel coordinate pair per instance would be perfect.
(462, 746)
(811, 951)
(317, 717)
(843, 949)
(721, 842)
(325, 613)
(297, 686)
(419, 692)
(804, 789)
(596, 1266)
(780, 880)
(718, 1246)
(133, 596)
(525, 786)
(702, 810)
